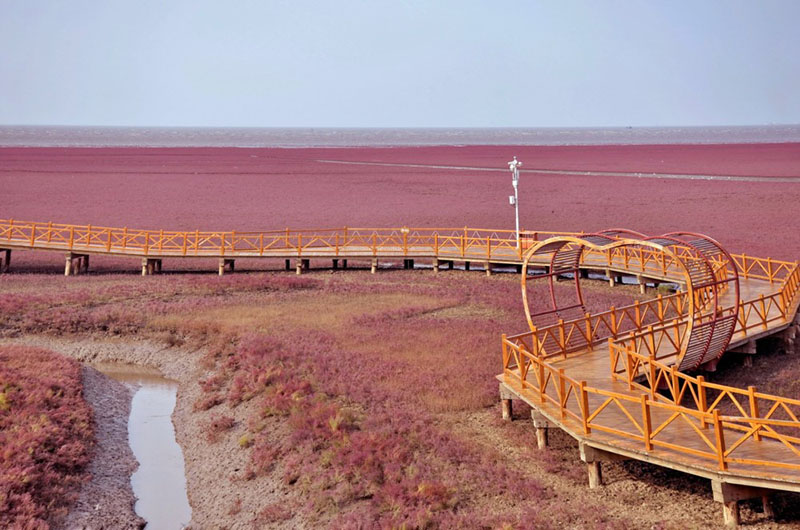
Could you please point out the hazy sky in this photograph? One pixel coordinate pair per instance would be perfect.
(399, 63)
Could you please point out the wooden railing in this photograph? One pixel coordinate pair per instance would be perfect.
(662, 422)
(568, 336)
(437, 242)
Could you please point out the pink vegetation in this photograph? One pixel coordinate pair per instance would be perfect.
(45, 436)
(248, 189)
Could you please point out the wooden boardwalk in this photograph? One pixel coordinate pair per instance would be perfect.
(608, 379)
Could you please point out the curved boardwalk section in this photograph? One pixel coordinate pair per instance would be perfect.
(624, 382)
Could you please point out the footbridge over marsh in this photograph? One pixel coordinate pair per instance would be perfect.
(626, 383)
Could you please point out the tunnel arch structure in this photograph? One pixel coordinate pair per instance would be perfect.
(704, 269)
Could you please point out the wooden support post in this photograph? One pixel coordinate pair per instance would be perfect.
(288, 265)
(595, 474)
(505, 406)
(450, 265)
(730, 514)
(335, 264)
(224, 264)
(519, 269)
(487, 265)
(730, 495)
(541, 425)
(85, 263)
(769, 511)
(306, 264)
(158, 265)
(374, 266)
(466, 265)
(144, 266)
(435, 264)
(642, 284)
(611, 278)
(344, 263)
(584, 274)
(592, 457)
(68, 266)
(298, 266)
(5, 262)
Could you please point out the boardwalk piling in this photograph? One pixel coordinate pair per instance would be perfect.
(541, 425)
(5, 263)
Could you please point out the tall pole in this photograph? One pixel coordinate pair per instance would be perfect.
(513, 166)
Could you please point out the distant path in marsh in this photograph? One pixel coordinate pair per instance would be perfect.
(577, 173)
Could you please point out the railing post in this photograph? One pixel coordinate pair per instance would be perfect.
(540, 372)
(744, 266)
(337, 243)
(769, 270)
(562, 391)
(49, 231)
(405, 242)
(638, 312)
(585, 408)
(286, 240)
(146, 243)
(196, 241)
(489, 247)
(702, 406)
(436, 244)
(562, 338)
(160, 240)
(233, 241)
(261, 244)
(33, 234)
(660, 308)
(299, 243)
(673, 375)
(125, 238)
(535, 340)
(763, 311)
(185, 243)
(720, 436)
(108, 240)
(374, 244)
(614, 325)
(589, 333)
(89, 235)
(222, 244)
(647, 425)
(751, 391)
(505, 352)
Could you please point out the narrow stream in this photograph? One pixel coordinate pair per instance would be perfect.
(160, 482)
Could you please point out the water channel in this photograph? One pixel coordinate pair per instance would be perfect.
(160, 481)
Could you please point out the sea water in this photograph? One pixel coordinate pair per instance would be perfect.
(58, 136)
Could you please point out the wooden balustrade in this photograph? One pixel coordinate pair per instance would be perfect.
(662, 421)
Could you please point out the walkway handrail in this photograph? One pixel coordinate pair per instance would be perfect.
(651, 417)
(568, 336)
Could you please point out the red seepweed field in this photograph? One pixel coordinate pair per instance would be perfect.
(262, 189)
(355, 400)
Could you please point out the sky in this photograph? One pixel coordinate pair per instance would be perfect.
(375, 63)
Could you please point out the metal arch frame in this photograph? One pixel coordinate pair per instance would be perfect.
(673, 239)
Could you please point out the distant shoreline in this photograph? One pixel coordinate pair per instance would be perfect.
(67, 136)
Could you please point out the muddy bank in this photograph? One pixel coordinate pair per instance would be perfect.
(214, 470)
(107, 500)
